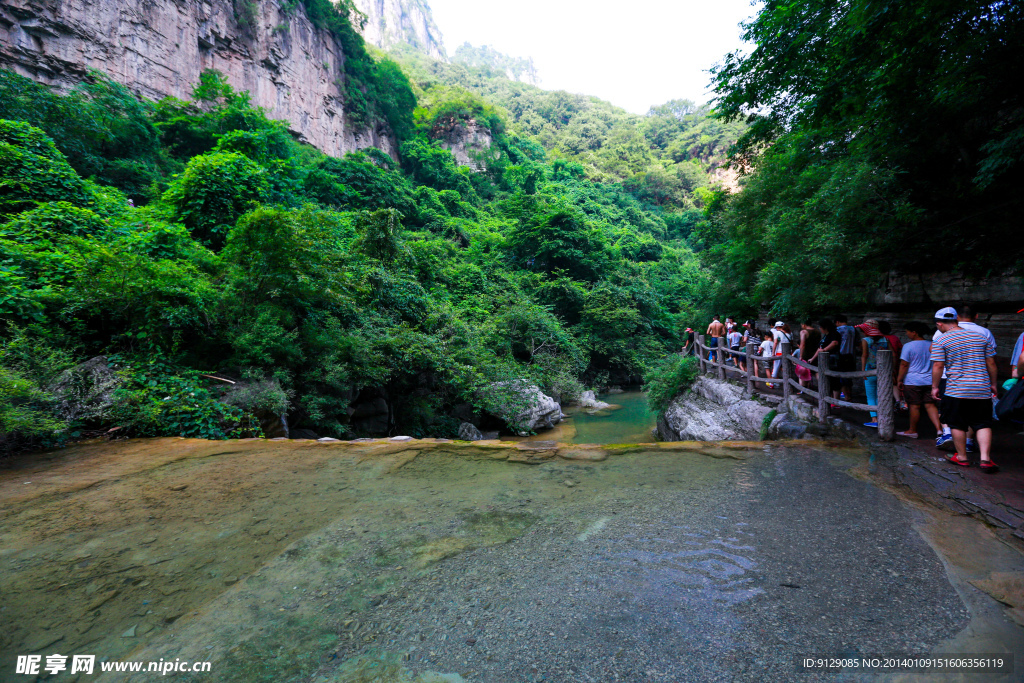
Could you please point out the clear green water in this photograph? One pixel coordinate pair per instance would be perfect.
(632, 422)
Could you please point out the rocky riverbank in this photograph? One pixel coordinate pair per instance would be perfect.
(715, 410)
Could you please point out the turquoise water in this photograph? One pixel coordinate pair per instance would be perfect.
(631, 422)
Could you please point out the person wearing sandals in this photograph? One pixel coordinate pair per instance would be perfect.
(968, 358)
(915, 378)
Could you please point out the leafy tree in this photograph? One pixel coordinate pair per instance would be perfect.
(33, 170)
(923, 93)
(213, 192)
(379, 235)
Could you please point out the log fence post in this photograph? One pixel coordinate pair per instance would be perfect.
(787, 372)
(700, 353)
(721, 357)
(824, 390)
(750, 367)
(886, 403)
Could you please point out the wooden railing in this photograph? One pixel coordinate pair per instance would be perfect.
(886, 408)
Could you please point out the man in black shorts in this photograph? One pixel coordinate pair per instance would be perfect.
(968, 359)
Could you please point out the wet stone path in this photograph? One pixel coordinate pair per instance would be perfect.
(725, 573)
(432, 562)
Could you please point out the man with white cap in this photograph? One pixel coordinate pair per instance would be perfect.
(781, 334)
(968, 359)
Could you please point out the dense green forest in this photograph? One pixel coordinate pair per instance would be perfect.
(883, 136)
(185, 238)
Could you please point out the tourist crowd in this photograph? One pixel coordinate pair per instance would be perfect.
(945, 371)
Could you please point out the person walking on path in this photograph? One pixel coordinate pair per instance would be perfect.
(781, 334)
(847, 359)
(968, 359)
(943, 441)
(688, 346)
(830, 341)
(967, 317)
(871, 343)
(1018, 349)
(735, 338)
(915, 379)
(766, 350)
(716, 330)
(810, 338)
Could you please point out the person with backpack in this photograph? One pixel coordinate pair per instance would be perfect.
(871, 343)
(968, 359)
(810, 338)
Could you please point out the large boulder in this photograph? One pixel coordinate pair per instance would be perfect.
(85, 392)
(588, 401)
(522, 406)
(712, 410)
(370, 414)
(469, 432)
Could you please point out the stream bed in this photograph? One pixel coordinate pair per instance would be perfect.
(445, 562)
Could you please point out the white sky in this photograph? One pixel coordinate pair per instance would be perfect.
(633, 53)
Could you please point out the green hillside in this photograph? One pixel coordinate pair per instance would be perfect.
(188, 239)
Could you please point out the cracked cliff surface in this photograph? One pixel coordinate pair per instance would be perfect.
(158, 48)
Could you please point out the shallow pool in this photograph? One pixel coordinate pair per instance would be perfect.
(628, 420)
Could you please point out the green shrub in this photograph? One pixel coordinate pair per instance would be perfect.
(54, 218)
(27, 366)
(671, 378)
(213, 192)
(157, 399)
(26, 417)
(32, 170)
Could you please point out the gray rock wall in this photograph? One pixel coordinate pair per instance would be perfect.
(469, 142)
(390, 22)
(157, 48)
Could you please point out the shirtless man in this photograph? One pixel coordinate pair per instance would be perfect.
(716, 330)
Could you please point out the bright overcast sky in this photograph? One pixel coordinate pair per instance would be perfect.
(633, 53)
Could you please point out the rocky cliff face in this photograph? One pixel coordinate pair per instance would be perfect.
(390, 22)
(158, 48)
(469, 142)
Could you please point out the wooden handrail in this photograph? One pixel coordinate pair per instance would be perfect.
(885, 409)
(802, 389)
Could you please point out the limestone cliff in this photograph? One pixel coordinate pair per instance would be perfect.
(469, 142)
(390, 22)
(158, 48)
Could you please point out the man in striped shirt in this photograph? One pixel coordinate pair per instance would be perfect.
(968, 359)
